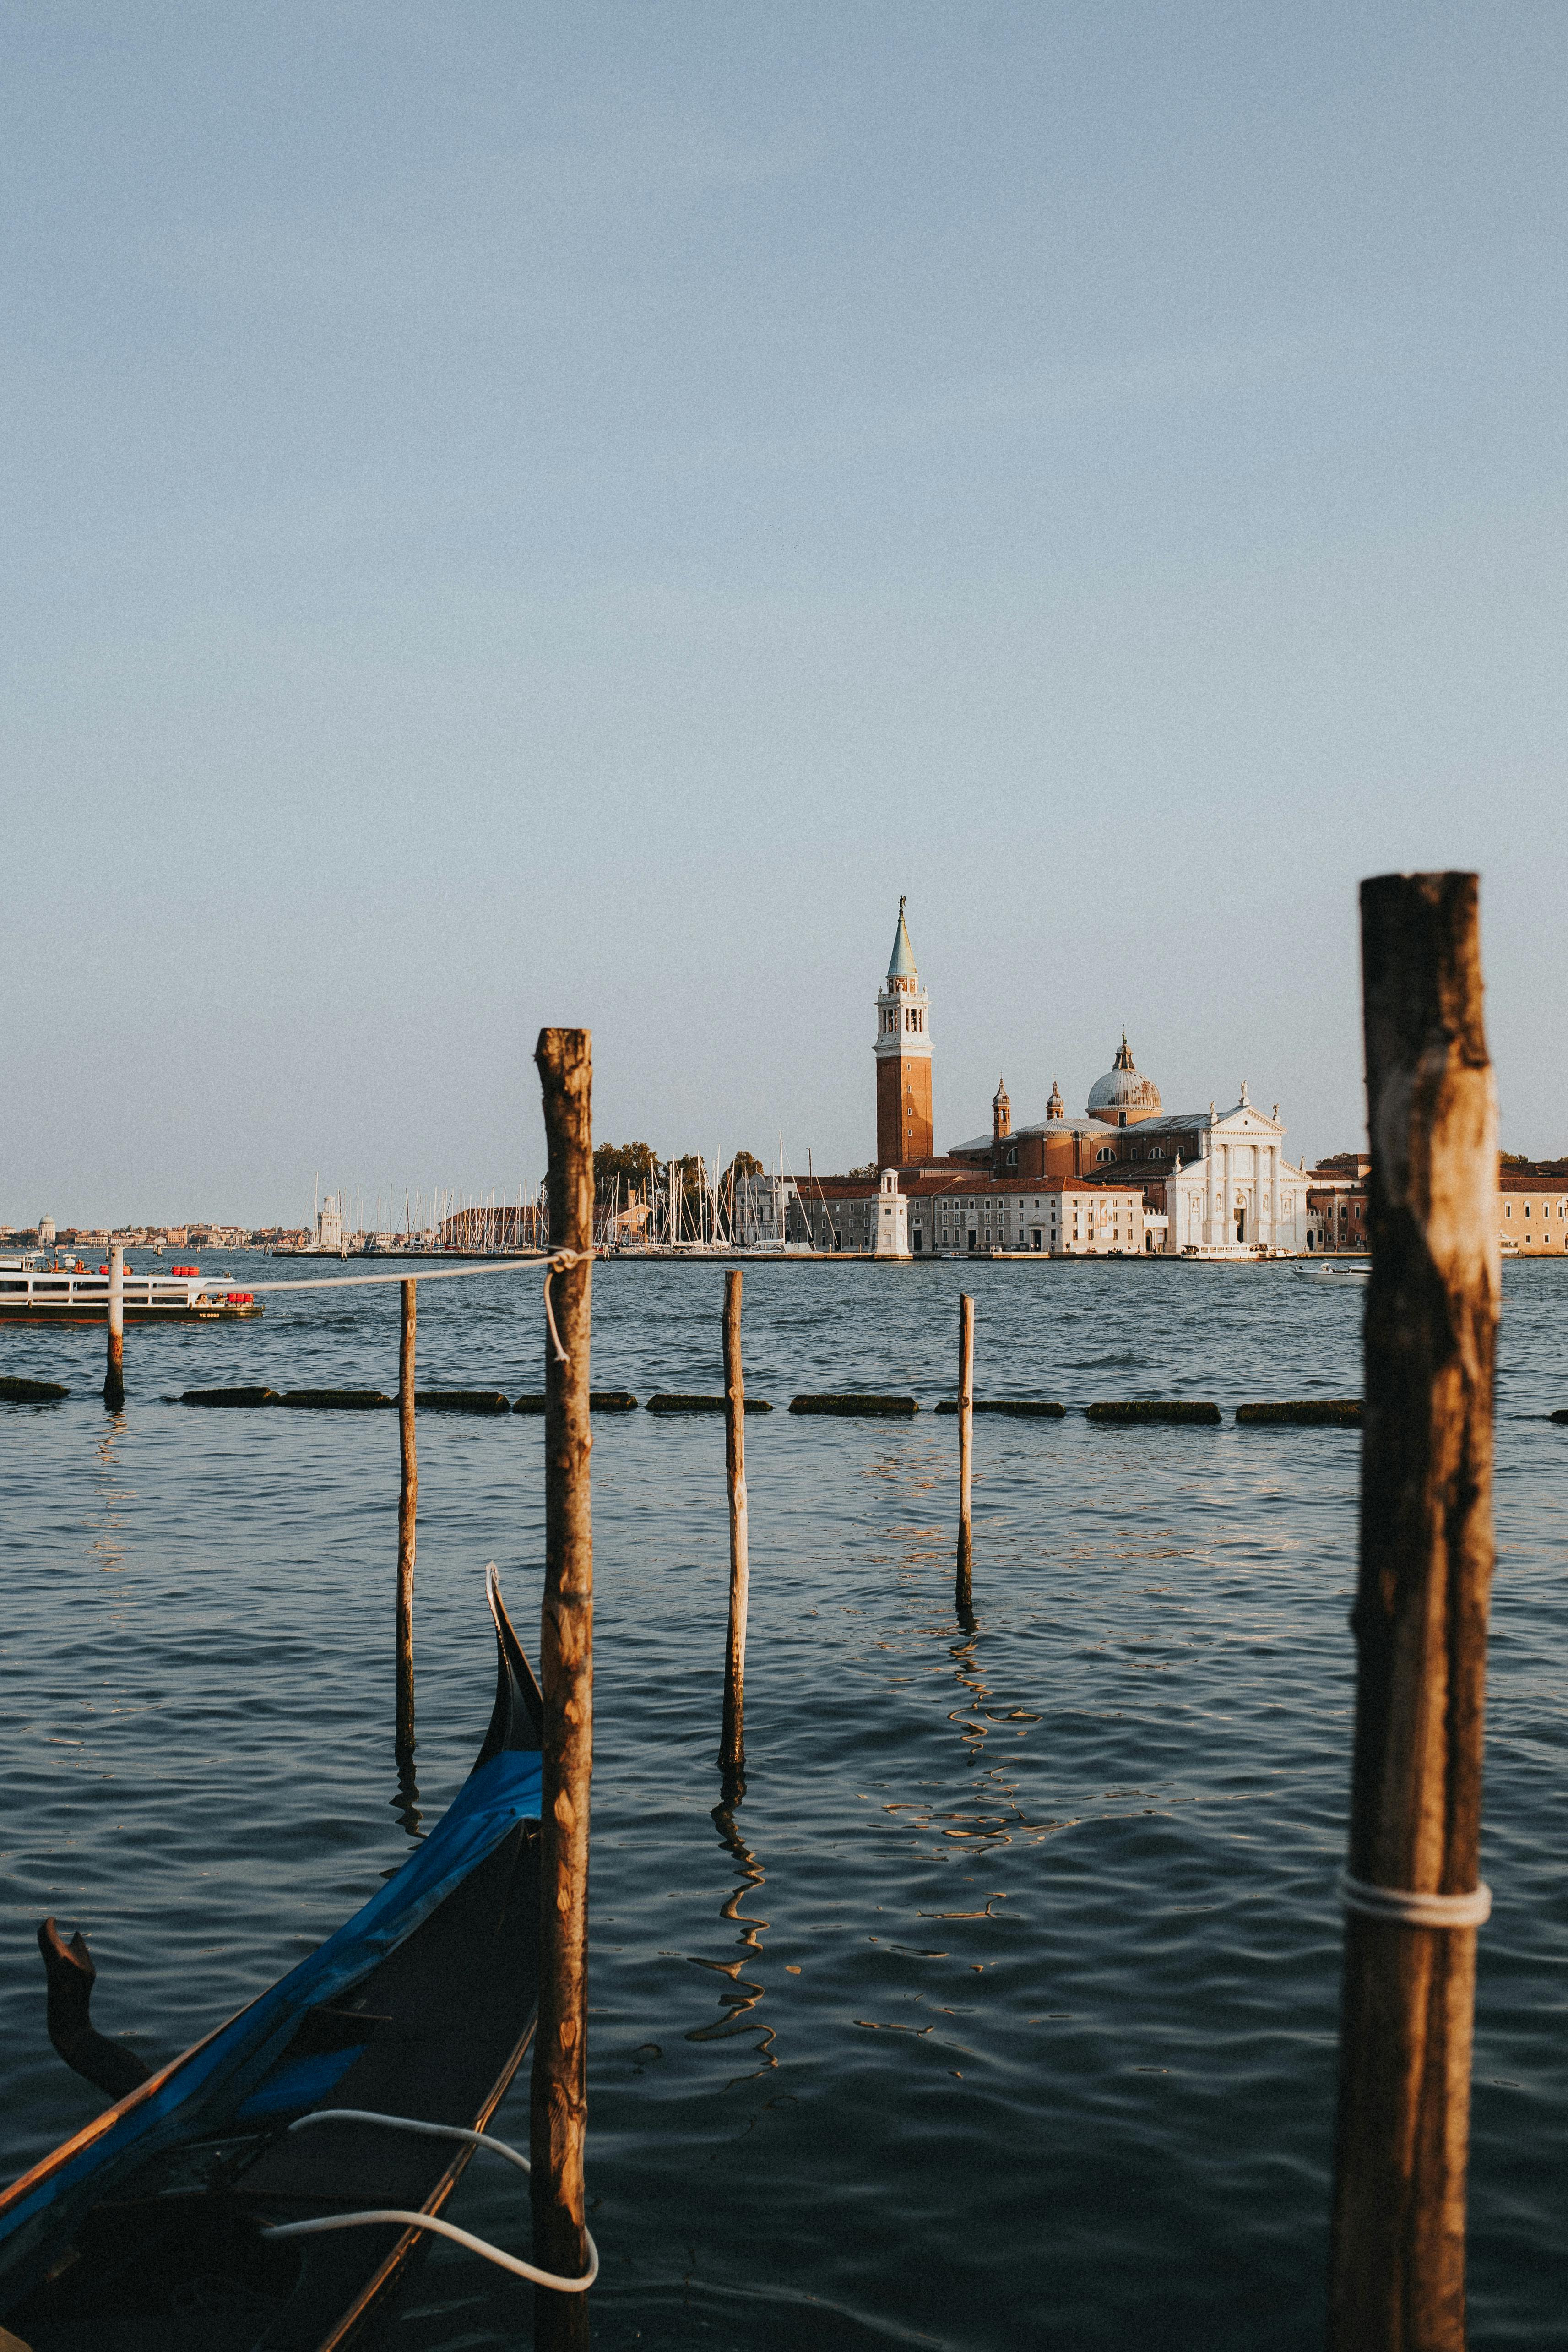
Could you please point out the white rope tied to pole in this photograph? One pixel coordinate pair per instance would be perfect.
(1407, 1908)
(562, 1263)
(435, 1274)
(410, 2221)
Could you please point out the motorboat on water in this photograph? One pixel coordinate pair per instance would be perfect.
(36, 1292)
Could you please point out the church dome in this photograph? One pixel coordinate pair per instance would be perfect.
(1122, 1095)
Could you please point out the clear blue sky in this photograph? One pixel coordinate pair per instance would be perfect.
(520, 514)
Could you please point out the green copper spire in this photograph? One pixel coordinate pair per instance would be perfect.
(902, 965)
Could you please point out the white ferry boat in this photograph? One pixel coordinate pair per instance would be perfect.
(31, 1293)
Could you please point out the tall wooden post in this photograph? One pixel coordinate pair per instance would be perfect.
(114, 1376)
(1413, 1901)
(732, 1745)
(966, 1447)
(558, 2111)
(407, 1509)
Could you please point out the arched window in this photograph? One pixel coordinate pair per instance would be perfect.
(1107, 1154)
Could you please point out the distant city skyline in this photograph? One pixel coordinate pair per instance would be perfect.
(372, 1207)
(530, 517)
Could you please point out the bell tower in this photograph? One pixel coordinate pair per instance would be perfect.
(902, 1052)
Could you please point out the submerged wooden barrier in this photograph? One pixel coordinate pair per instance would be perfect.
(1562, 1415)
(557, 2109)
(1135, 1408)
(461, 1400)
(19, 1391)
(1027, 1408)
(1306, 1413)
(336, 1400)
(675, 1402)
(599, 1401)
(1413, 1900)
(732, 1737)
(891, 1407)
(236, 1397)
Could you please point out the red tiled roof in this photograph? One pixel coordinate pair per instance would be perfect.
(828, 1188)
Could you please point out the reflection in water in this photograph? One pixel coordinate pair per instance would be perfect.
(405, 1803)
(965, 1656)
(741, 1996)
(108, 1548)
(992, 1815)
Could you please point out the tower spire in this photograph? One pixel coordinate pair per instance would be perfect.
(903, 1135)
(900, 962)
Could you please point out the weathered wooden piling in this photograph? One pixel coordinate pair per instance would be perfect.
(962, 1596)
(1411, 1897)
(407, 1511)
(557, 2117)
(114, 1376)
(732, 1743)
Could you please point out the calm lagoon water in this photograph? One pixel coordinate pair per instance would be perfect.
(1001, 2010)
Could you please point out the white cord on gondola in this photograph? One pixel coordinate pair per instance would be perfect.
(1408, 1907)
(409, 2122)
(408, 2220)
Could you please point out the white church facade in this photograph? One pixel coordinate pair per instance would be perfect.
(1240, 1195)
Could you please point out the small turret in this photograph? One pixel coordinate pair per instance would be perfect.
(1055, 1108)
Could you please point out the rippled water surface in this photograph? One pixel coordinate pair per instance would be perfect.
(1002, 2010)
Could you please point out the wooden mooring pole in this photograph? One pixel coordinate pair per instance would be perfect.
(1413, 1901)
(559, 2110)
(732, 1745)
(962, 1596)
(407, 1510)
(114, 1375)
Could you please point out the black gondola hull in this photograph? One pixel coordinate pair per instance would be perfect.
(146, 2230)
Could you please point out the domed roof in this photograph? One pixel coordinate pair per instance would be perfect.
(1122, 1089)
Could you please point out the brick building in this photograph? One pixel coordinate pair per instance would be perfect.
(1208, 1183)
(1336, 1203)
(1126, 1178)
(1531, 1208)
(961, 1213)
(1531, 1212)
(904, 1131)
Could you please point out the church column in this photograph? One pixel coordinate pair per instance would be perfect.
(1230, 1192)
(1274, 1192)
(1210, 1163)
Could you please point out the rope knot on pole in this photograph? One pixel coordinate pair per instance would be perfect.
(562, 1262)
